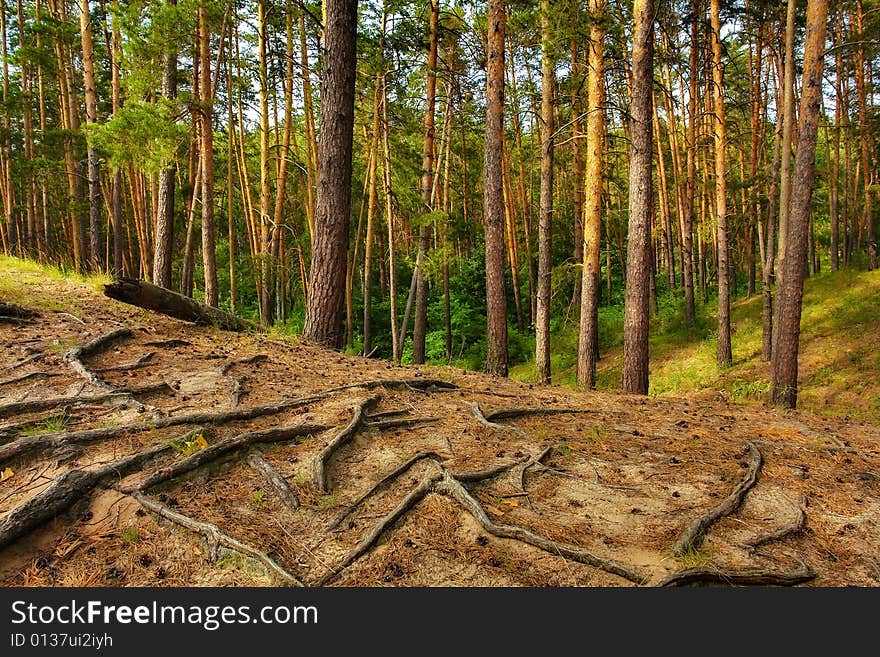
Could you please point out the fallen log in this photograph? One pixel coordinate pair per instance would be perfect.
(152, 297)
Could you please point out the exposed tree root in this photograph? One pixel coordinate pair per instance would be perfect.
(414, 497)
(237, 390)
(223, 447)
(215, 538)
(452, 487)
(168, 344)
(250, 360)
(386, 414)
(478, 413)
(30, 443)
(486, 473)
(274, 479)
(143, 361)
(692, 537)
(508, 413)
(27, 377)
(36, 405)
(538, 460)
(64, 491)
(75, 357)
(415, 385)
(396, 423)
(14, 310)
(382, 484)
(794, 527)
(319, 465)
(29, 359)
(756, 577)
(18, 321)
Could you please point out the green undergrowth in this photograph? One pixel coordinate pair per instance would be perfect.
(839, 364)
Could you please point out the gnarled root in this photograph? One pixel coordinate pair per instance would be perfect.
(214, 538)
(450, 486)
(348, 432)
(692, 537)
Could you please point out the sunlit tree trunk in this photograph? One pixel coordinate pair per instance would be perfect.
(641, 203)
(588, 341)
(724, 354)
(493, 194)
(790, 292)
(327, 277)
(545, 222)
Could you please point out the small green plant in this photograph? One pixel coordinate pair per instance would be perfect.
(744, 390)
(50, 425)
(329, 501)
(258, 499)
(131, 534)
(564, 449)
(189, 443)
(693, 558)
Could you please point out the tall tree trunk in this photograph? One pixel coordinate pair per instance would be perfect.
(768, 269)
(230, 163)
(327, 277)
(91, 100)
(164, 242)
(209, 262)
(834, 197)
(865, 140)
(389, 219)
(787, 128)
(420, 322)
(641, 203)
(578, 174)
(790, 293)
(493, 193)
(372, 200)
(545, 221)
(687, 239)
(267, 266)
(724, 353)
(588, 341)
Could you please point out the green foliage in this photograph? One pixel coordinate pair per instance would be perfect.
(131, 534)
(140, 134)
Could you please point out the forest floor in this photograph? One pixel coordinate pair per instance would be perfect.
(137, 450)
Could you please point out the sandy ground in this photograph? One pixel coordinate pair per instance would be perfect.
(623, 476)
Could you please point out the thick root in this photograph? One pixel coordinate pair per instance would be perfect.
(214, 538)
(319, 466)
(692, 537)
(450, 486)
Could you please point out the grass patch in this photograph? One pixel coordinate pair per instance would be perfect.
(54, 424)
(24, 282)
(838, 361)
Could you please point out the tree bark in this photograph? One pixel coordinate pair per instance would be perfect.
(791, 287)
(493, 193)
(724, 354)
(91, 103)
(151, 297)
(163, 254)
(209, 262)
(641, 203)
(327, 278)
(545, 222)
(588, 342)
(420, 321)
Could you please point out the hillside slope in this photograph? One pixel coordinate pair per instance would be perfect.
(839, 361)
(165, 454)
